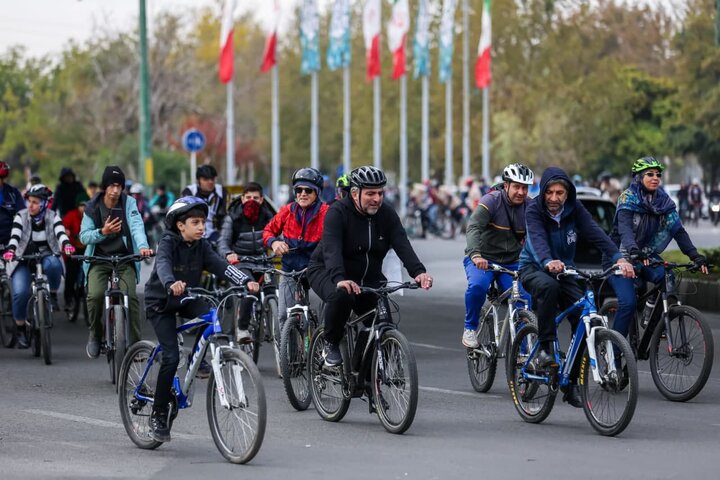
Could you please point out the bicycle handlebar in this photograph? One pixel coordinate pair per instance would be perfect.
(35, 256)
(690, 266)
(388, 289)
(588, 275)
(113, 259)
(499, 268)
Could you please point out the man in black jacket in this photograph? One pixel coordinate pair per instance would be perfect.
(358, 232)
(68, 192)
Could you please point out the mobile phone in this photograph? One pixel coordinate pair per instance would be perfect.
(115, 213)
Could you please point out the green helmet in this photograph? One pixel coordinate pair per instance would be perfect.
(343, 182)
(645, 163)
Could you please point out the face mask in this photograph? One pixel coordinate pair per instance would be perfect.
(251, 210)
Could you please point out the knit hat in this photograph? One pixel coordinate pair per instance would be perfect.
(112, 175)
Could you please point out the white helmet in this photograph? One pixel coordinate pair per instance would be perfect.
(136, 188)
(518, 173)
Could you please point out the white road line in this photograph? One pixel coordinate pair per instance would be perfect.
(456, 392)
(96, 422)
(436, 347)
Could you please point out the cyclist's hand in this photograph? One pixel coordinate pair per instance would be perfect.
(350, 286)
(112, 225)
(480, 262)
(555, 266)
(69, 250)
(177, 288)
(279, 247)
(701, 262)
(146, 252)
(253, 287)
(8, 256)
(627, 269)
(425, 281)
(232, 258)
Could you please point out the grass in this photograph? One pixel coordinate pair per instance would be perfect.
(676, 256)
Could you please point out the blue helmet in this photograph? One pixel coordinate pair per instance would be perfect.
(182, 206)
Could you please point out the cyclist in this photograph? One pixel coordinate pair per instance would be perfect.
(242, 234)
(183, 254)
(342, 187)
(35, 229)
(554, 219)
(358, 232)
(72, 221)
(646, 221)
(67, 192)
(298, 225)
(495, 233)
(162, 199)
(214, 194)
(11, 202)
(112, 225)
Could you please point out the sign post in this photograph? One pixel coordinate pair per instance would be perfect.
(193, 141)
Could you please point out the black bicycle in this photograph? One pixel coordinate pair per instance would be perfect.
(377, 363)
(7, 322)
(676, 338)
(39, 308)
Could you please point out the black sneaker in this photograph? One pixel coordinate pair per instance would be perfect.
(54, 301)
(159, 425)
(93, 346)
(572, 396)
(332, 355)
(23, 341)
(545, 358)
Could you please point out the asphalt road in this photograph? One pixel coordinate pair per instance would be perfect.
(62, 421)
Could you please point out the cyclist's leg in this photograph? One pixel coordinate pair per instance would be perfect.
(478, 283)
(20, 281)
(72, 270)
(96, 285)
(128, 280)
(53, 268)
(546, 292)
(246, 304)
(627, 300)
(164, 326)
(337, 304)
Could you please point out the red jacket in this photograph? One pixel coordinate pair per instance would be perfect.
(300, 229)
(72, 221)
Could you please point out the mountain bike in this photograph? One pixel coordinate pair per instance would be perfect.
(39, 308)
(7, 322)
(116, 318)
(236, 407)
(79, 299)
(676, 339)
(496, 333)
(608, 372)
(378, 363)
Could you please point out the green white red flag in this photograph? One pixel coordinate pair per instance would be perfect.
(483, 72)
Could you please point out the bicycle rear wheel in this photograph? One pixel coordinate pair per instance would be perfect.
(328, 386)
(533, 399)
(294, 362)
(135, 413)
(44, 323)
(395, 382)
(239, 428)
(609, 405)
(482, 361)
(119, 339)
(681, 374)
(7, 323)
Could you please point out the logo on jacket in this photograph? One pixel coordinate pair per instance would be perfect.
(571, 237)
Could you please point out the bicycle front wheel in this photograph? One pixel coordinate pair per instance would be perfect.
(681, 374)
(482, 361)
(119, 339)
(272, 320)
(44, 325)
(328, 386)
(294, 349)
(135, 413)
(395, 382)
(238, 428)
(609, 404)
(7, 323)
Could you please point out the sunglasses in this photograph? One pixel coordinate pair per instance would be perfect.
(653, 174)
(307, 191)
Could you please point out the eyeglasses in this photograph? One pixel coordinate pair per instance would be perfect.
(307, 191)
(653, 174)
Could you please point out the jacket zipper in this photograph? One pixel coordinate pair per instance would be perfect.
(367, 253)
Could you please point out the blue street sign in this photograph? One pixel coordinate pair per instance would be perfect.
(193, 140)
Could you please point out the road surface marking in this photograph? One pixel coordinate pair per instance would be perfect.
(456, 392)
(436, 347)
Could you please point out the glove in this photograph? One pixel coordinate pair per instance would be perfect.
(69, 250)
(8, 256)
(699, 260)
(637, 254)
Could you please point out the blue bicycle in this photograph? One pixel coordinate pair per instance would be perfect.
(608, 372)
(236, 406)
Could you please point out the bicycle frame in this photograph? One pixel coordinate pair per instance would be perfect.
(513, 297)
(114, 295)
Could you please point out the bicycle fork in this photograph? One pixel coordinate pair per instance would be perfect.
(591, 326)
(237, 370)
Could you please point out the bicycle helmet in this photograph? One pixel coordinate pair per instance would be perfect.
(367, 177)
(181, 207)
(343, 182)
(646, 163)
(4, 170)
(308, 175)
(205, 171)
(38, 191)
(136, 188)
(518, 173)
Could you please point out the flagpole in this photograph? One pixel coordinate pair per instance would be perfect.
(275, 167)
(346, 120)
(486, 135)
(466, 94)
(314, 154)
(230, 136)
(449, 130)
(402, 187)
(425, 142)
(376, 123)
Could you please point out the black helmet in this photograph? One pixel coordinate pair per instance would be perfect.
(180, 207)
(309, 175)
(205, 171)
(40, 191)
(367, 177)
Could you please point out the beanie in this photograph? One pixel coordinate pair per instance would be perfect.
(111, 175)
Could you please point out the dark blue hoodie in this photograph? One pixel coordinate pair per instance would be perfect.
(548, 239)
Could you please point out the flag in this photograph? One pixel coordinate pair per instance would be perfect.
(483, 74)
(268, 60)
(338, 54)
(225, 71)
(421, 50)
(309, 26)
(397, 28)
(371, 32)
(447, 32)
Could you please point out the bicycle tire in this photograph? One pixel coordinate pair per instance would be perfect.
(328, 386)
(119, 339)
(109, 352)
(401, 383)
(671, 374)
(598, 399)
(8, 333)
(482, 361)
(533, 400)
(31, 328)
(272, 321)
(44, 325)
(522, 317)
(135, 413)
(294, 363)
(247, 401)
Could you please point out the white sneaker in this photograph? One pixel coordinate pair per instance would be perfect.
(243, 336)
(469, 338)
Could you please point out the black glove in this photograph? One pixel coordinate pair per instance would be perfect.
(637, 254)
(699, 260)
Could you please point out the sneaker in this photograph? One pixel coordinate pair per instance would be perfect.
(159, 425)
(93, 346)
(332, 355)
(23, 341)
(545, 358)
(204, 369)
(54, 301)
(469, 338)
(243, 336)
(572, 396)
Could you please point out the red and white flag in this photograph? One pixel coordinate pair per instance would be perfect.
(226, 42)
(271, 43)
(397, 32)
(371, 31)
(483, 73)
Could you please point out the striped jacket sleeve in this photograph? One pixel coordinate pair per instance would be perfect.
(59, 231)
(15, 233)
